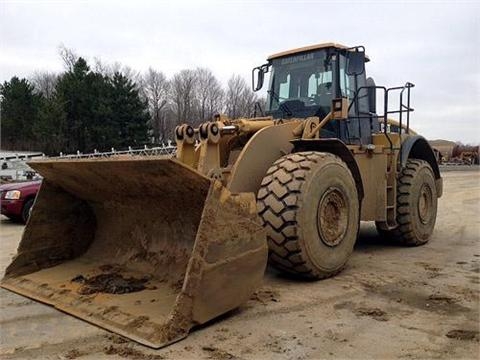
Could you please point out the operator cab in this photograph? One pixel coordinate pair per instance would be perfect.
(304, 81)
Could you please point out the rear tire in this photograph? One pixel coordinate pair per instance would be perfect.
(26, 210)
(309, 205)
(416, 205)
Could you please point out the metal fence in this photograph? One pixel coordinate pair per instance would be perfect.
(164, 149)
(14, 165)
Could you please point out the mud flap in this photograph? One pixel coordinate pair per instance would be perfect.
(145, 247)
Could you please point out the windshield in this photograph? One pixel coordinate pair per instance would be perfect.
(301, 82)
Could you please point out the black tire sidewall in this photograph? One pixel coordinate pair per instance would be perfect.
(327, 174)
(421, 231)
(26, 210)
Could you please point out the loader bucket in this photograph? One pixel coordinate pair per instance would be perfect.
(144, 247)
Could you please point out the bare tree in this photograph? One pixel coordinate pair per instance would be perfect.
(101, 67)
(209, 94)
(68, 56)
(129, 73)
(249, 98)
(216, 100)
(240, 99)
(155, 89)
(109, 70)
(44, 83)
(182, 92)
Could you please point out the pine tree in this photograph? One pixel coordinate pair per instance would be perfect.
(72, 92)
(50, 126)
(18, 112)
(129, 112)
(86, 100)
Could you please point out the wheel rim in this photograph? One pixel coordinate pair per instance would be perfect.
(332, 217)
(424, 205)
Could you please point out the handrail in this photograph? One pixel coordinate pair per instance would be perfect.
(386, 93)
(407, 87)
(385, 107)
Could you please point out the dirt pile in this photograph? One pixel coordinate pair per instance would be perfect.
(111, 283)
(73, 354)
(374, 313)
(265, 296)
(463, 335)
(216, 353)
(130, 353)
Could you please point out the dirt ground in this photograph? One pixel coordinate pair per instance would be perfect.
(390, 302)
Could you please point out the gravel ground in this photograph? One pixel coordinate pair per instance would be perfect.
(390, 302)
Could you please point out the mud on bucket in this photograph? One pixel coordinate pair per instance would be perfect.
(145, 247)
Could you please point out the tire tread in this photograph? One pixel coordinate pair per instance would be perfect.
(404, 232)
(279, 198)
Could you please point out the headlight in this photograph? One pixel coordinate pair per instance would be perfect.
(13, 195)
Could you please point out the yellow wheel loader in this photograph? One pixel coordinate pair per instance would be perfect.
(149, 247)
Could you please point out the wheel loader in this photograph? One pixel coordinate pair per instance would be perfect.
(149, 247)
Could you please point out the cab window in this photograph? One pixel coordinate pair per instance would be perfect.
(347, 87)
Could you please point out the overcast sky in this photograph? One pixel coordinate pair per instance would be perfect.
(432, 44)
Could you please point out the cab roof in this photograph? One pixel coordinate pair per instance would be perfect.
(310, 48)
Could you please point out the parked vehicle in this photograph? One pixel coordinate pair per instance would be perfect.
(17, 199)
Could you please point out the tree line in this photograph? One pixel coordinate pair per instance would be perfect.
(98, 106)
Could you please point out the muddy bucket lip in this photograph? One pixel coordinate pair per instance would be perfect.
(10, 284)
(125, 157)
(93, 174)
(112, 159)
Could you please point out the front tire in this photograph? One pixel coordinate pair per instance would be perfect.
(26, 210)
(309, 205)
(416, 205)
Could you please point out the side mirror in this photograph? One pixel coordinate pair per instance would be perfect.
(356, 62)
(372, 96)
(258, 76)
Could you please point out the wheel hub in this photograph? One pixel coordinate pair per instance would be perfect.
(332, 217)
(424, 203)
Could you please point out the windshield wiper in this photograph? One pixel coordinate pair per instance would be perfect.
(281, 106)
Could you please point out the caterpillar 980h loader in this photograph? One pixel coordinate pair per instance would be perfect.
(150, 247)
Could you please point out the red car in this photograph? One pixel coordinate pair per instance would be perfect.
(16, 199)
